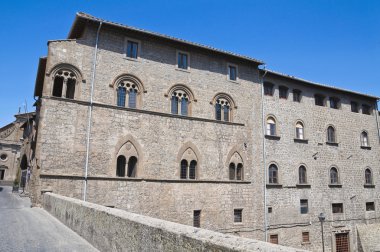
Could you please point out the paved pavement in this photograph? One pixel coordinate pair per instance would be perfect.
(23, 228)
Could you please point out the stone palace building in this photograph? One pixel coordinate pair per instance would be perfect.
(184, 132)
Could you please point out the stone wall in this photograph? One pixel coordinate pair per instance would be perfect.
(117, 230)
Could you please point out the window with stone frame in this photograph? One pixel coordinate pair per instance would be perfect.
(370, 206)
(297, 95)
(224, 106)
(127, 160)
(273, 238)
(64, 83)
(354, 107)
(334, 176)
(268, 88)
(366, 109)
(305, 237)
(302, 175)
(188, 165)
(132, 49)
(304, 206)
(273, 174)
(238, 215)
(283, 92)
(368, 177)
(337, 207)
(180, 103)
(236, 167)
(364, 139)
(331, 137)
(197, 218)
(299, 130)
(271, 129)
(182, 60)
(128, 91)
(334, 102)
(319, 100)
(232, 72)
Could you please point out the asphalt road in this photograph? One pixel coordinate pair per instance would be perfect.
(23, 228)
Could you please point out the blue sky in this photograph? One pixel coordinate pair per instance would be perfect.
(331, 42)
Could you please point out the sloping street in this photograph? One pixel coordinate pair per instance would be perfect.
(33, 229)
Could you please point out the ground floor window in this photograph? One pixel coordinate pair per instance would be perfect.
(342, 242)
(2, 174)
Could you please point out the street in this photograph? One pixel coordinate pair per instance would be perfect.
(33, 229)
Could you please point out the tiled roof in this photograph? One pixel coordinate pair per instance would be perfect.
(231, 54)
(317, 84)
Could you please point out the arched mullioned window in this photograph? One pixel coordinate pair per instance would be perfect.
(299, 130)
(129, 91)
(65, 81)
(235, 168)
(334, 177)
(331, 136)
(120, 166)
(273, 174)
(368, 177)
(302, 175)
(224, 107)
(188, 165)
(181, 99)
(271, 128)
(364, 139)
(127, 160)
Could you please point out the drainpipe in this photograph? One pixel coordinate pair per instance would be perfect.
(377, 118)
(264, 158)
(90, 112)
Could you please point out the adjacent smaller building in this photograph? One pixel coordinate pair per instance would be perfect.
(12, 136)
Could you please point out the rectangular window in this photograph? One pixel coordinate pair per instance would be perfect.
(132, 49)
(319, 100)
(197, 218)
(232, 73)
(334, 102)
(305, 237)
(337, 207)
(238, 215)
(366, 109)
(354, 107)
(182, 60)
(304, 206)
(273, 238)
(296, 95)
(270, 209)
(283, 92)
(370, 206)
(268, 89)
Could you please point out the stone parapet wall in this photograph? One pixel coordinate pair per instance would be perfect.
(110, 229)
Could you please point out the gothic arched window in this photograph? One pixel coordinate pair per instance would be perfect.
(236, 167)
(188, 165)
(299, 130)
(128, 91)
(368, 176)
(364, 139)
(224, 107)
(302, 175)
(120, 166)
(64, 83)
(331, 138)
(334, 178)
(273, 174)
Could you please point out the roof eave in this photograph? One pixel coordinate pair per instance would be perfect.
(80, 16)
(317, 84)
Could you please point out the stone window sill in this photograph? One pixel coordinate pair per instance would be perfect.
(335, 185)
(332, 144)
(132, 59)
(369, 186)
(365, 147)
(305, 243)
(303, 186)
(274, 186)
(272, 137)
(298, 140)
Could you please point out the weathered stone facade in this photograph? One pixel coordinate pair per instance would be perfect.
(82, 134)
(11, 156)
